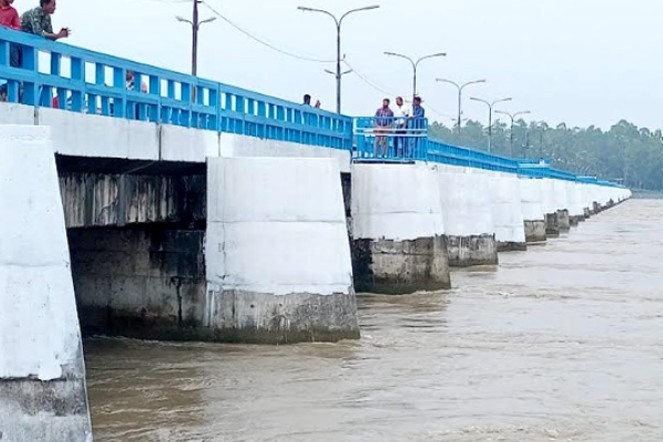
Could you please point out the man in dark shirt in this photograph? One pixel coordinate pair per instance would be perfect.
(38, 21)
(384, 120)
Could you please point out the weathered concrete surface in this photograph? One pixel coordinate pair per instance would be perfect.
(508, 246)
(140, 283)
(42, 372)
(468, 218)
(535, 232)
(277, 253)
(563, 221)
(475, 250)
(262, 318)
(552, 225)
(100, 199)
(401, 267)
(531, 191)
(398, 233)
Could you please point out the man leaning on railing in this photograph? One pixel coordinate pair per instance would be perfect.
(384, 117)
(38, 21)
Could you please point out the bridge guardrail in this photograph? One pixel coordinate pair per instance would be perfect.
(57, 75)
(85, 81)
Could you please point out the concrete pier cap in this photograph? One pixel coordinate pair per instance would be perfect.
(531, 193)
(42, 373)
(399, 244)
(277, 252)
(508, 212)
(468, 219)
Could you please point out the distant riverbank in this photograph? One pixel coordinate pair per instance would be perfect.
(647, 194)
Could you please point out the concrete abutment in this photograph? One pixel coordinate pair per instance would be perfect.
(42, 372)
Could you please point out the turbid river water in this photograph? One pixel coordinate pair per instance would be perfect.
(562, 343)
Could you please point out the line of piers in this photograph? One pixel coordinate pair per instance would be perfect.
(253, 250)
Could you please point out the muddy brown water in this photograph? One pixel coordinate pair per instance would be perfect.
(561, 343)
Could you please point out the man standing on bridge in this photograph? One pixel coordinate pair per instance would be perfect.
(38, 21)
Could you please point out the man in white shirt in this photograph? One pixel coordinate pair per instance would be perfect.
(401, 114)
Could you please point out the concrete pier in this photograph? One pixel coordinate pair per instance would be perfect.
(576, 209)
(399, 243)
(508, 213)
(468, 219)
(42, 373)
(550, 208)
(533, 212)
(277, 252)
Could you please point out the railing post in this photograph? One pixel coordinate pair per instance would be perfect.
(78, 79)
(29, 62)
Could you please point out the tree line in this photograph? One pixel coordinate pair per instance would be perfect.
(626, 153)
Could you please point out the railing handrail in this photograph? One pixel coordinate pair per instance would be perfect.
(207, 104)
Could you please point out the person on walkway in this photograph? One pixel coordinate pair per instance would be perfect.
(307, 100)
(401, 115)
(384, 118)
(417, 125)
(38, 21)
(9, 19)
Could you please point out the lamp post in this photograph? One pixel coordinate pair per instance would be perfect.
(460, 88)
(490, 117)
(339, 22)
(415, 65)
(513, 119)
(195, 24)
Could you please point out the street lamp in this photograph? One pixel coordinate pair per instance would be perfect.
(460, 88)
(513, 118)
(415, 65)
(195, 24)
(490, 117)
(339, 22)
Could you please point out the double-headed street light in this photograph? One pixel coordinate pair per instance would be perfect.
(415, 65)
(339, 22)
(460, 88)
(195, 24)
(490, 117)
(513, 119)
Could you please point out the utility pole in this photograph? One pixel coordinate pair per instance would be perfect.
(339, 22)
(490, 117)
(513, 119)
(195, 24)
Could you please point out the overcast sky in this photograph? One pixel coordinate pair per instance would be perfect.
(579, 61)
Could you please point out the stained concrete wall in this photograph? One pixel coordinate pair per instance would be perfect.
(98, 199)
(277, 251)
(42, 373)
(468, 225)
(398, 230)
(141, 282)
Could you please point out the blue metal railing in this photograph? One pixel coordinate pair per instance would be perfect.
(57, 75)
(390, 138)
(91, 82)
